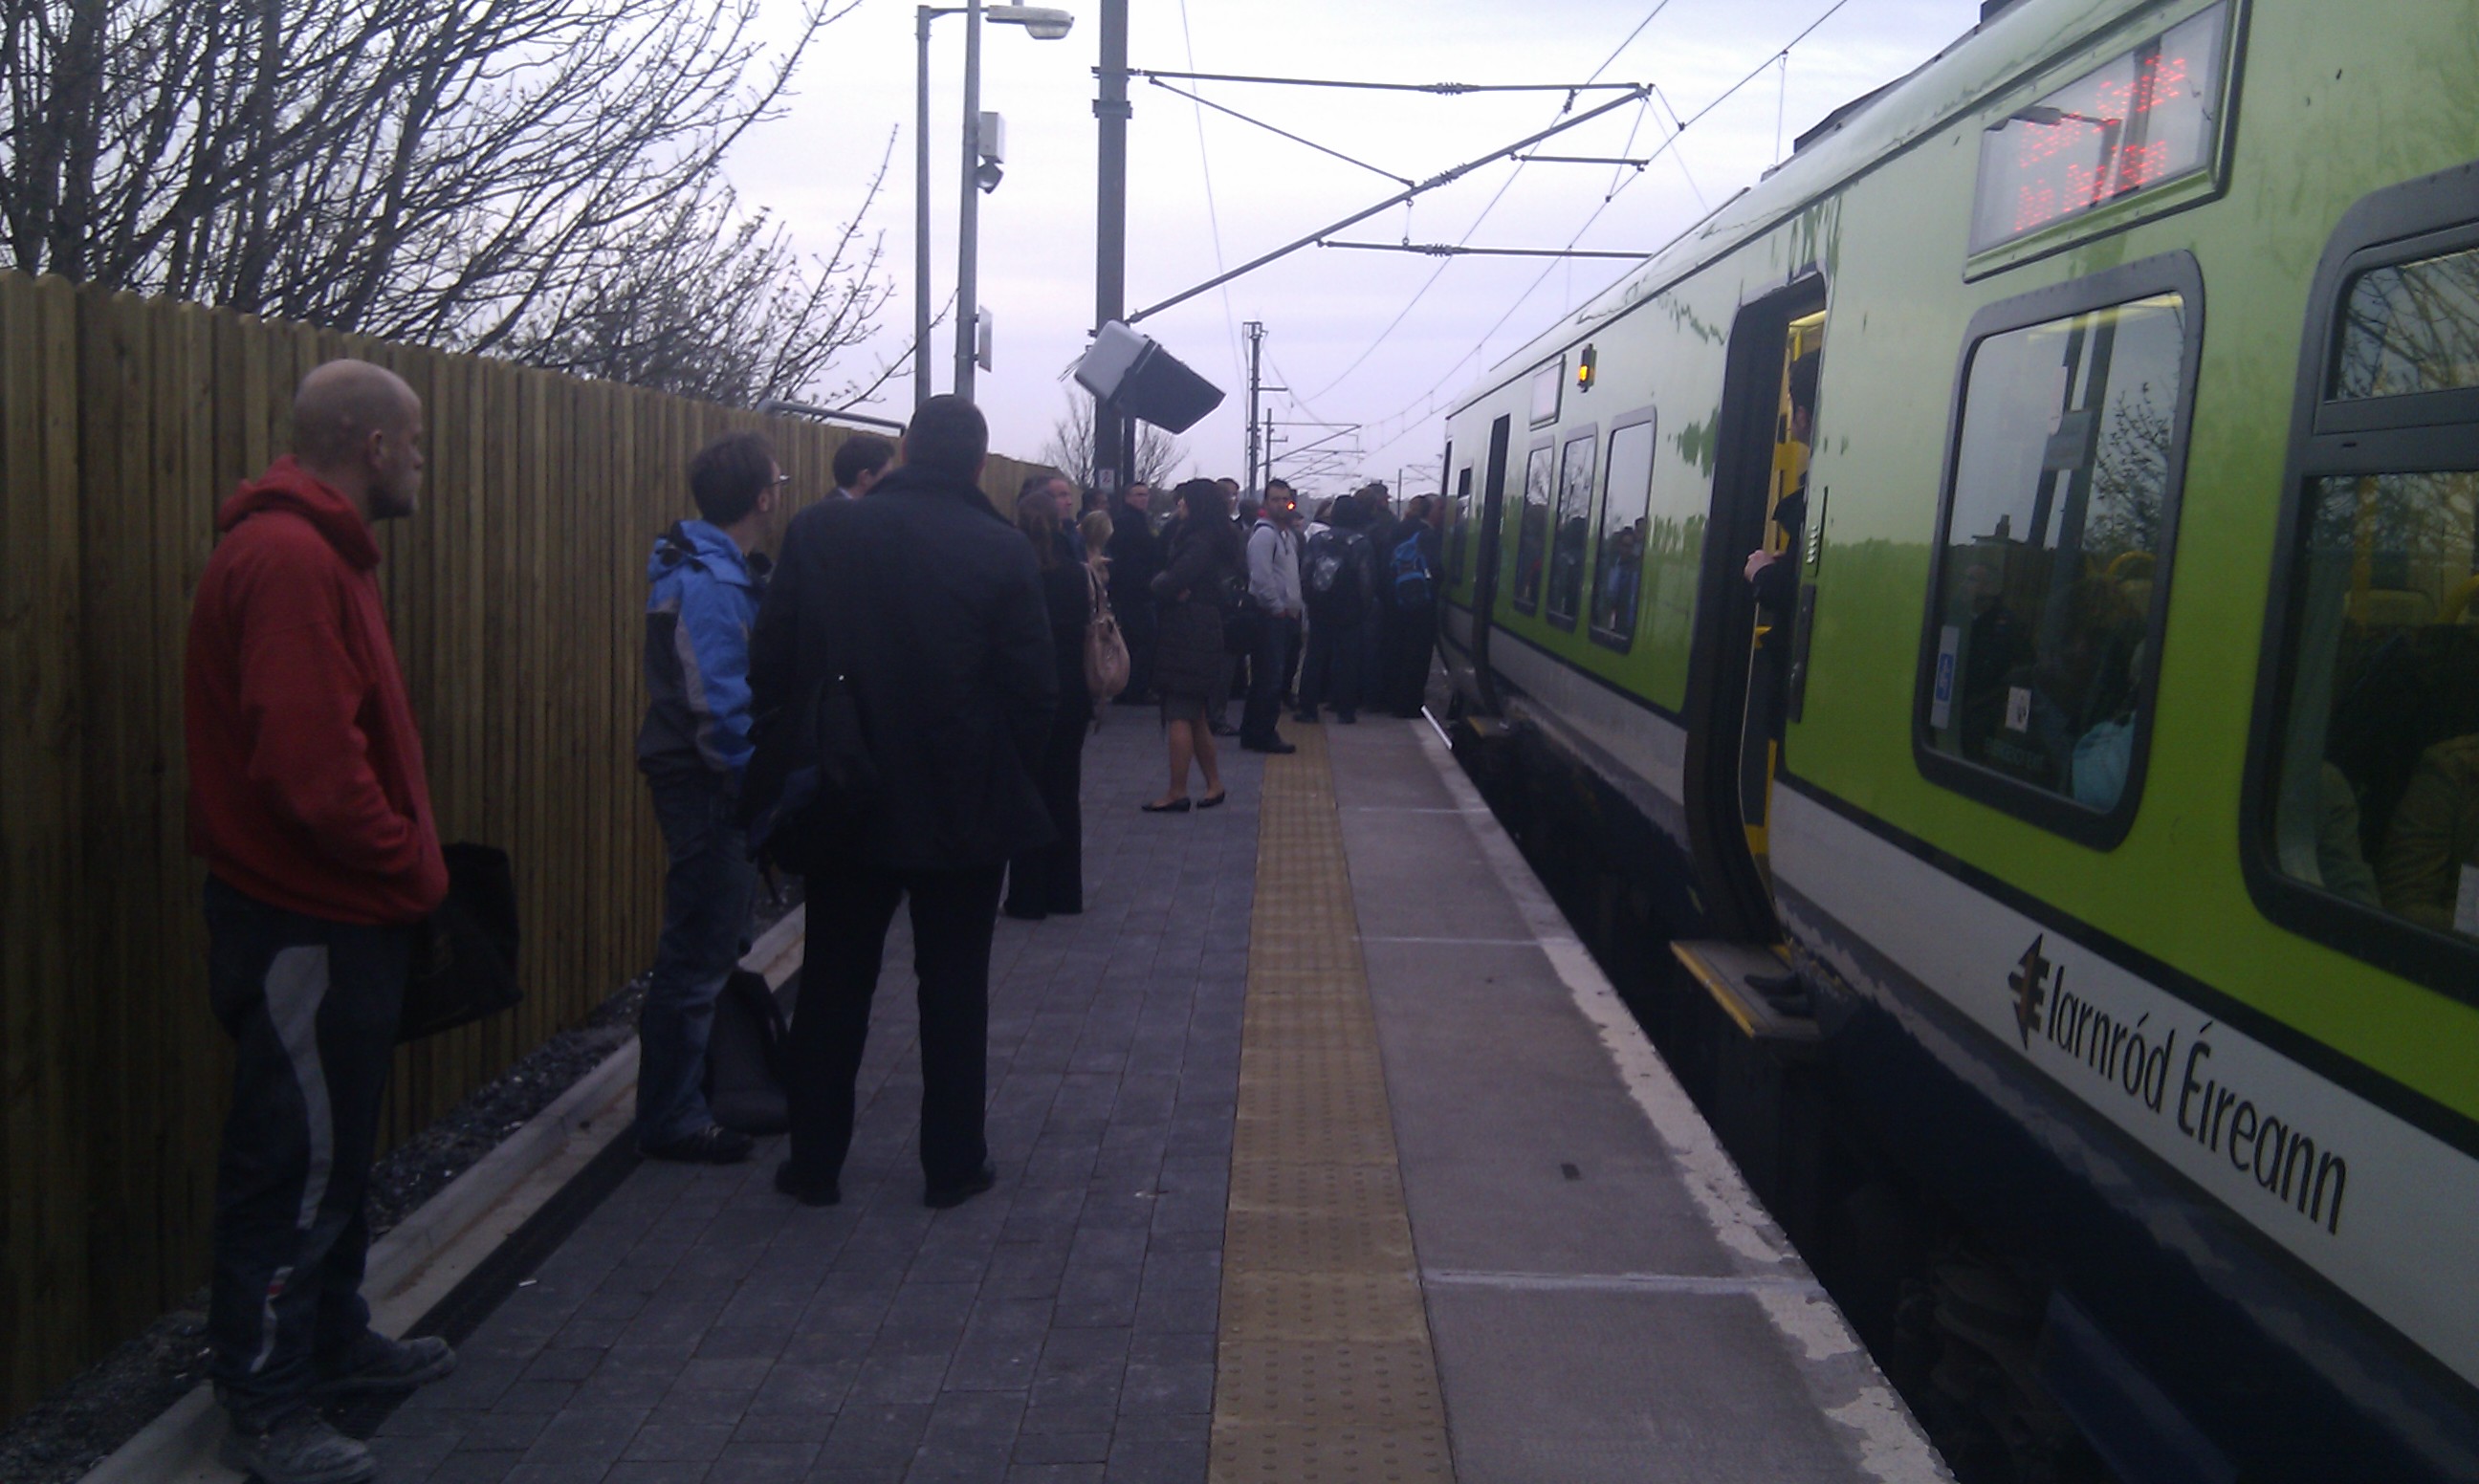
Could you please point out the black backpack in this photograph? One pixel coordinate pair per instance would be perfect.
(744, 1058)
(1331, 571)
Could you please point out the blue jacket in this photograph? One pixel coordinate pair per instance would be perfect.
(702, 600)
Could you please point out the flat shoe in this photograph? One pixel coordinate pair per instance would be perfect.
(713, 1144)
(1179, 805)
(1213, 801)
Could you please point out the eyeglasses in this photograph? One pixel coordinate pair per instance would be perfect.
(783, 478)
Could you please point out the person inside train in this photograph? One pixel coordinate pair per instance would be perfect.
(2428, 870)
(1775, 580)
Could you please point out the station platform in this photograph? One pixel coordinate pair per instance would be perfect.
(1325, 1151)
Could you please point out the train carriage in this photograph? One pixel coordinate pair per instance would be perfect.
(2074, 805)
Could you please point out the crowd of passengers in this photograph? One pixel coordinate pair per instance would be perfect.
(895, 706)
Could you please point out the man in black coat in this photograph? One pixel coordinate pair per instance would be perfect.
(1136, 555)
(931, 606)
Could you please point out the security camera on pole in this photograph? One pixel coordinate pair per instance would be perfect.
(1042, 24)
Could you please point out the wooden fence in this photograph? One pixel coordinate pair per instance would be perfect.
(516, 596)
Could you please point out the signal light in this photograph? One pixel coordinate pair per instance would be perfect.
(1584, 369)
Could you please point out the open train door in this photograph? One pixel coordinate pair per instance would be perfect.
(1485, 561)
(1738, 672)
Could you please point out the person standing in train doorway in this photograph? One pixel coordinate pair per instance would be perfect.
(1775, 575)
(704, 583)
(309, 802)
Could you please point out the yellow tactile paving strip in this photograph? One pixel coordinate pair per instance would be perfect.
(1323, 1369)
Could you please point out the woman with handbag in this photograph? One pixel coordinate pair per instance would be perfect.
(1194, 589)
(1051, 878)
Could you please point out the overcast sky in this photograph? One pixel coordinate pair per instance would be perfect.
(1344, 330)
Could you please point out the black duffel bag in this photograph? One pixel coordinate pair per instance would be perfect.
(465, 953)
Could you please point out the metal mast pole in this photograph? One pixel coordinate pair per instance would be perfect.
(1112, 454)
(968, 215)
(921, 218)
(1255, 330)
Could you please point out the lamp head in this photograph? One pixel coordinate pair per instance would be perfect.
(1040, 22)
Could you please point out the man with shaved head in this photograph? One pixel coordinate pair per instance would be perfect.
(308, 802)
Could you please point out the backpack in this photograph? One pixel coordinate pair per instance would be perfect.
(744, 1066)
(1410, 569)
(1330, 572)
(1106, 653)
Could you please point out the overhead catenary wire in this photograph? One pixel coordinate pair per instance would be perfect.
(1212, 219)
(1205, 102)
(1666, 146)
(1451, 90)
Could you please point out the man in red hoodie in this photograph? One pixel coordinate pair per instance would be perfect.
(308, 802)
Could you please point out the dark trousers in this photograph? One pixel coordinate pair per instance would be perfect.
(1267, 664)
(707, 889)
(1137, 627)
(954, 915)
(1051, 878)
(312, 1008)
(1330, 675)
(1411, 635)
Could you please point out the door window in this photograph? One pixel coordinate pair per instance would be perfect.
(1571, 529)
(1627, 505)
(1532, 529)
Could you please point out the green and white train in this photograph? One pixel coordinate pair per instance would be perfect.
(2094, 823)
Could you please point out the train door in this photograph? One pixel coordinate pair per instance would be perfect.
(1485, 560)
(1738, 686)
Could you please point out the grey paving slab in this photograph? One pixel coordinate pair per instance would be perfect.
(698, 1327)
(1590, 1322)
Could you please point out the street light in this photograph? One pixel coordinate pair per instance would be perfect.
(1042, 24)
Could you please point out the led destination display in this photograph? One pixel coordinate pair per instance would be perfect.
(2140, 119)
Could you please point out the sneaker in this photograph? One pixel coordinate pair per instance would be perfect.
(374, 1363)
(300, 1449)
(939, 1197)
(713, 1144)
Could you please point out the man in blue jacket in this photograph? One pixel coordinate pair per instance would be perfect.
(694, 747)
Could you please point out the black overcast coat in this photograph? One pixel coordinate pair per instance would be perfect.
(936, 604)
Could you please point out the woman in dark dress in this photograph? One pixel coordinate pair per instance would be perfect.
(1051, 878)
(1206, 558)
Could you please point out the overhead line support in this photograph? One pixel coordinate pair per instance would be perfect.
(1634, 92)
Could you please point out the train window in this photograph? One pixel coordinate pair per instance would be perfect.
(1532, 528)
(2410, 327)
(2053, 546)
(2366, 772)
(1459, 528)
(1626, 506)
(1569, 528)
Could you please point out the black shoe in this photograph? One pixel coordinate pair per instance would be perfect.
(1348, 718)
(1214, 800)
(1178, 805)
(1024, 913)
(1305, 718)
(809, 1193)
(302, 1448)
(940, 1197)
(1222, 730)
(374, 1363)
(713, 1144)
(1277, 747)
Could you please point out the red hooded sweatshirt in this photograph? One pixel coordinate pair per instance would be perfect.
(306, 785)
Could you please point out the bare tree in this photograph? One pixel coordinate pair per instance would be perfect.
(479, 174)
(1071, 446)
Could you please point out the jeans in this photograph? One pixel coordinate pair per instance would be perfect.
(1331, 673)
(954, 914)
(707, 892)
(312, 1008)
(1267, 664)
